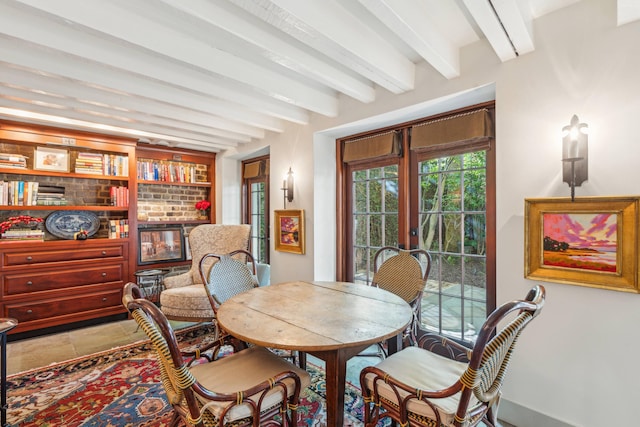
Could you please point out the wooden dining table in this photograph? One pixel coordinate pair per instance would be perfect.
(332, 321)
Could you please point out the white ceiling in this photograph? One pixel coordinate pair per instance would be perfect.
(213, 74)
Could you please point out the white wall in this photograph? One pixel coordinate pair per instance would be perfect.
(577, 363)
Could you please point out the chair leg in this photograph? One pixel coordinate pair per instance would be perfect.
(175, 420)
(302, 360)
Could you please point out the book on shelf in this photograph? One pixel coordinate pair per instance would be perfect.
(89, 163)
(115, 165)
(119, 196)
(18, 193)
(16, 161)
(118, 228)
(23, 234)
(51, 195)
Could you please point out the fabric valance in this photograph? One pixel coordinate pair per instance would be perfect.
(256, 169)
(473, 125)
(372, 147)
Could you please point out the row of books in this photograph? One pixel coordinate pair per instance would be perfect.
(86, 163)
(17, 161)
(22, 234)
(119, 196)
(102, 164)
(30, 193)
(118, 229)
(166, 172)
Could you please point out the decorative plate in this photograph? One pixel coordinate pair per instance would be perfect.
(64, 224)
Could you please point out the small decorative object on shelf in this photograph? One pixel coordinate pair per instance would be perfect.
(202, 206)
(80, 235)
(22, 227)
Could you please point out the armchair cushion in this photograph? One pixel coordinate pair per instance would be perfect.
(255, 363)
(426, 371)
(186, 302)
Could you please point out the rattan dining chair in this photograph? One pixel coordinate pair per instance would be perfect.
(266, 392)
(229, 275)
(440, 383)
(403, 272)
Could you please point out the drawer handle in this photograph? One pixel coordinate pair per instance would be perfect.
(29, 283)
(104, 274)
(29, 258)
(29, 311)
(104, 299)
(104, 252)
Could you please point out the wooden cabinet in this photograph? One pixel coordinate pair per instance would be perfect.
(52, 281)
(59, 282)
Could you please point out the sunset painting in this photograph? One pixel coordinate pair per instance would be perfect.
(586, 241)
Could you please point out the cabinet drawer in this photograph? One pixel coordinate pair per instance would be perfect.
(27, 282)
(38, 257)
(47, 309)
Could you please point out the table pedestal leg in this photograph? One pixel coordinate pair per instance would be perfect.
(336, 374)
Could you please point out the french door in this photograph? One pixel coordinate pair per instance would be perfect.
(440, 199)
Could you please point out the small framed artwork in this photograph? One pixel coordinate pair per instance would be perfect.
(591, 241)
(51, 159)
(160, 245)
(289, 229)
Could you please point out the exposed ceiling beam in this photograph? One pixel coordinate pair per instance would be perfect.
(286, 53)
(122, 20)
(628, 11)
(485, 17)
(94, 75)
(328, 27)
(409, 20)
(517, 22)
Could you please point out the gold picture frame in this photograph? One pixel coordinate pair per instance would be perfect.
(51, 159)
(591, 241)
(289, 231)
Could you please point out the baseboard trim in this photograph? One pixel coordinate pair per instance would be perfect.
(521, 416)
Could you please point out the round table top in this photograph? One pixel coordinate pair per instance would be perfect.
(7, 323)
(314, 316)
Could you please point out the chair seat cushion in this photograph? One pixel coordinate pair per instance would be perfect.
(423, 370)
(256, 364)
(186, 302)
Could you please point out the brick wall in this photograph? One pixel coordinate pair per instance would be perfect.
(169, 202)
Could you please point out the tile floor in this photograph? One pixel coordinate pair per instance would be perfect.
(35, 352)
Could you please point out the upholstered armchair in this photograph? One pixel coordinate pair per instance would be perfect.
(184, 297)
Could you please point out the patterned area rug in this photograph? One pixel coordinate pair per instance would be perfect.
(121, 387)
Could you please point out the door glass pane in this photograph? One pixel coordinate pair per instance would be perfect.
(374, 216)
(452, 220)
(259, 242)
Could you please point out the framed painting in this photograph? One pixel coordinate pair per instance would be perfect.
(591, 241)
(160, 245)
(51, 159)
(289, 229)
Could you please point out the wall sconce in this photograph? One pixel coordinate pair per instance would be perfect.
(575, 156)
(287, 188)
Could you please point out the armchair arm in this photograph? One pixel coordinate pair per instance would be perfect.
(178, 281)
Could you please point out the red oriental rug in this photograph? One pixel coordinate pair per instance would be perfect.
(121, 387)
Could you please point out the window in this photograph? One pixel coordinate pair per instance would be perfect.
(255, 207)
(427, 184)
